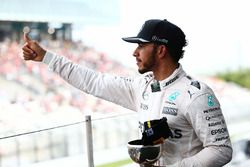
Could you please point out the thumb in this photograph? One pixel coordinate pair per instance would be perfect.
(26, 37)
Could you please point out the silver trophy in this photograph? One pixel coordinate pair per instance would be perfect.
(145, 156)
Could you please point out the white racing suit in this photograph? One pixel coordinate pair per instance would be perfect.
(199, 133)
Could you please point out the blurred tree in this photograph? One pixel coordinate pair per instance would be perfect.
(240, 77)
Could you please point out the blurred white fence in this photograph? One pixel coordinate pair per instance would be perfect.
(67, 141)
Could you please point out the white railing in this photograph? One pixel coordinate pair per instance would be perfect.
(79, 138)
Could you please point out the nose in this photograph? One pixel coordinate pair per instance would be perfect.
(135, 53)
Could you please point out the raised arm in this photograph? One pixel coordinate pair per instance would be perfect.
(119, 90)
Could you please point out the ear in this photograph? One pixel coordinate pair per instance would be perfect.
(162, 51)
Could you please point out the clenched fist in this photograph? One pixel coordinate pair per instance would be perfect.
(32, 50)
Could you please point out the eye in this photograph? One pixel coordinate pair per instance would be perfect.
(140, 45)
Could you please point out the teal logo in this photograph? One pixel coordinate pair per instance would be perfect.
(145, 95)
(173, 96)
(210, 100)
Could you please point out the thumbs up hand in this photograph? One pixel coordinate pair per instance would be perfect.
(32, 50)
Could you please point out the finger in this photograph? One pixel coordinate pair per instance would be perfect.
(33, 55)
(27, 53)
(26, 37)
(25, 57)
(27, 49)
(28, 57)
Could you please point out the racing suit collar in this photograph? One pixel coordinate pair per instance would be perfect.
(176, 75)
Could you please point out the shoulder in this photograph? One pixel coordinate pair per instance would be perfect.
(197, 97)
(196, 86)
(193, 89)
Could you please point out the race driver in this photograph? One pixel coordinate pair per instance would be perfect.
(200, 137)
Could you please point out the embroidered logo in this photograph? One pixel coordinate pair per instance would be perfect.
(173, 96)
(210, 100)
(145, 95)
(171, 81)
(190, 94)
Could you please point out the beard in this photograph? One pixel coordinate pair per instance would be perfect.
(149, 63)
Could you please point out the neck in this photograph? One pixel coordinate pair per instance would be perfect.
(164, 70)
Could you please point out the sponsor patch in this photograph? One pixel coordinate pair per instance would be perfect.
(208, 118)
(155, 87)
(215, 123)
(144, 106)
(125, 79)
(170, 111)
(218, 131)
(171, 81)
(221, 138)
(171, 103)
(211, 110)
(176, 133)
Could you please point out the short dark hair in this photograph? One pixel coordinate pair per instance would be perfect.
(176, 49)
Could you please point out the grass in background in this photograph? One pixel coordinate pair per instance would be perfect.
(240, 77)
(117, 163)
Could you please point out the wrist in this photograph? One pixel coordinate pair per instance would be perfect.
(43, 53)
(48, 56)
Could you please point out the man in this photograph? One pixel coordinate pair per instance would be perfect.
(199, 132)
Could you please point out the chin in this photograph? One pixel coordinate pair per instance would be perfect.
(142, 71)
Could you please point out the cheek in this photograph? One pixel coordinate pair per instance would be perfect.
(143, 54)
(146, 55)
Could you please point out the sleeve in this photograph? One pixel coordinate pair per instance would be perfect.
(205, 116)
(119, 90)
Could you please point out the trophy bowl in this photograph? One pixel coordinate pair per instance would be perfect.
(144, 155)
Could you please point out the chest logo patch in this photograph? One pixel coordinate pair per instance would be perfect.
(173, 96)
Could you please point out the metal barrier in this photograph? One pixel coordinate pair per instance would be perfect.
(67, 140)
